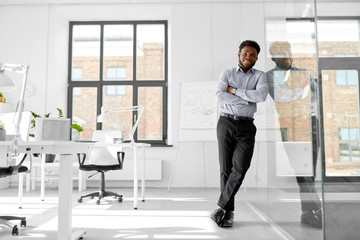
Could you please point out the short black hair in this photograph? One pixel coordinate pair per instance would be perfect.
(250, 43)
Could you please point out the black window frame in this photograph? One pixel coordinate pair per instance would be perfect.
(136, 84)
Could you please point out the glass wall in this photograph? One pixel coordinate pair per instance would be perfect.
(294, 166)
(339, 67)
(313, 136)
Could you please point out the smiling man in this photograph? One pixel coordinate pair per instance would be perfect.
(238, 91)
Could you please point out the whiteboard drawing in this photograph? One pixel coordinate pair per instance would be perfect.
(198, 108)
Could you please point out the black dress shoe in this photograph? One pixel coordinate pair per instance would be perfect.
(312, 218)
(217, 216)
(228, 219)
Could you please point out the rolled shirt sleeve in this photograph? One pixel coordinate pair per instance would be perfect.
(259, 94)
(221, 92)
(251, 88)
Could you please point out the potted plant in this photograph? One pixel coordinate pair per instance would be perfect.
(2, 98)
(51, 157)
(2, 131)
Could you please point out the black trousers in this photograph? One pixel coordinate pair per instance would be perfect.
(236, 139)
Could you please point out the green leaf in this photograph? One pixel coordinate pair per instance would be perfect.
(32, 123)
(47, 115)
(34, 114)
(77, 127)
(60, 112)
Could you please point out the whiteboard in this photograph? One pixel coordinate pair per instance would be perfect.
(198, 111)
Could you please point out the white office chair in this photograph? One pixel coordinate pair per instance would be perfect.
(102, 158)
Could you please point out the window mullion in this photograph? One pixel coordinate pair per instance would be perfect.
(135, 85)
(100, 86)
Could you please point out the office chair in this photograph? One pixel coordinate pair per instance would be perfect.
(5, 172)
(101, 159)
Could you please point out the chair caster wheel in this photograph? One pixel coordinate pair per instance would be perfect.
(80, 200)
(15, 231)
(120, 199)
(23, 223)
(98, 202)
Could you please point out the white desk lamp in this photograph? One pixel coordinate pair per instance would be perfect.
(140, 109)
(6, 84)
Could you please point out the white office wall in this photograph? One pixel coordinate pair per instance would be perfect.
(203, 41)
(23, 40)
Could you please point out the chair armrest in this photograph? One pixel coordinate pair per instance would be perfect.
(18, 168)
(121, 157)
(22, 160)
(81, 161)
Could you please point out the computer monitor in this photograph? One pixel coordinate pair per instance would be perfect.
(52, 129)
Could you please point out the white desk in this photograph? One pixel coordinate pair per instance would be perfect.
(135, 147)
(67, 151)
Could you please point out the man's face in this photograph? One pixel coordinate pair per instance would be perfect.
(283, 63)
(247, 57)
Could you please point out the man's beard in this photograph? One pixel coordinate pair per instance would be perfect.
(246, 68)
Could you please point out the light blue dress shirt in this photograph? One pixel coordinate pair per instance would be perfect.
(251, 88)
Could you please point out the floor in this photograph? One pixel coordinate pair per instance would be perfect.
(174, 214)
(181, 213)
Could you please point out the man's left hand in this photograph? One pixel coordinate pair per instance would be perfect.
(229, 90)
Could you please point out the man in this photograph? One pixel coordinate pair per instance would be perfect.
(238, 90)
(294, 88)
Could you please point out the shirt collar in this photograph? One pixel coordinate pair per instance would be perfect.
(238, 68)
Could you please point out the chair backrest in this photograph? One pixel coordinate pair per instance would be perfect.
(104, 155)
(106, 136)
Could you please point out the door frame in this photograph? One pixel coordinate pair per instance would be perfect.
(335, 63)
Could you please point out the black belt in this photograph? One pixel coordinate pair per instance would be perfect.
(236, 117)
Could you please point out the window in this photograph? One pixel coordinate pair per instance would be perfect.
(77, 73)
(115, 73)
(349, 144)
(346, 78)
(115, 90)
(338, 37)
(119, 64)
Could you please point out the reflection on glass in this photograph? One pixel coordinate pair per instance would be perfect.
(341, 122)
(150, 52)
(294, 94)
(84, 111)
(86, 53)
(118, 52)
(150, 126)
(338, 38)
(117, 96)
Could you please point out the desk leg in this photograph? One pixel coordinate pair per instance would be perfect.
(21, 189)
(42, 178)
(65, 199)
(135, 149)
(143, 175)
